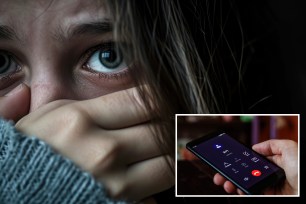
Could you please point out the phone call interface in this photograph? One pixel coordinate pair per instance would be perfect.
(236, 161)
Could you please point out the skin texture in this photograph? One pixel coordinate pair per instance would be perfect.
(100, 121)
(282, 152)
(51, 52)
(105, 137)
(19, 98)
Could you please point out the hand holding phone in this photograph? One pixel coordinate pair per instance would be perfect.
(282, 152)
(245, 168)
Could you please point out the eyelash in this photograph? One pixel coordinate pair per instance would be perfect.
(109, 76)
(7, 78)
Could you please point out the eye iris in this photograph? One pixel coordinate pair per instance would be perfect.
(4, 63)
(110, 58)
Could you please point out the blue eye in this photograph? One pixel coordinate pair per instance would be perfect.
(106, 59)
(7, 64)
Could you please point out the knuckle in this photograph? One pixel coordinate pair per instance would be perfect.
(74, 116)
(106, 157)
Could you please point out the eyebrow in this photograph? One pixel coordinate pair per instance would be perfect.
(93, 28)
(7, 33)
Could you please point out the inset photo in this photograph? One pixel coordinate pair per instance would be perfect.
(237, 155)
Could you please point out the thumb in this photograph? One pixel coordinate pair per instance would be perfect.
(269, 147)
(15, 104)
(273, 149)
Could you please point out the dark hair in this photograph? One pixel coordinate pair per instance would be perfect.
(167, 61)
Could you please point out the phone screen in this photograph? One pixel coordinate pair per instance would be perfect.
(243, 166)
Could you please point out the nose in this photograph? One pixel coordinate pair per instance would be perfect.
(47, 87)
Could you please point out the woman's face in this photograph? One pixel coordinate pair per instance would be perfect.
(60, 49)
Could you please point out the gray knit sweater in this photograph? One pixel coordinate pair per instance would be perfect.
(30, 172)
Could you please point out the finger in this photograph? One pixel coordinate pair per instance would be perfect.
(122, 147)
(266, 148)
(52, 106)
(16, 103)
(151, 176)
(145, 178)
(219, 179)
(240, 192)
(137, 142)
(109, 148)
(229, 187)
(40, 112)
(272, 147)
(117, 110)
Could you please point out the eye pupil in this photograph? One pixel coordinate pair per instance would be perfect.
(110, 58)
(4, 63)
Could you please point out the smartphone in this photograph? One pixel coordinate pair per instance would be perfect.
(245, 168)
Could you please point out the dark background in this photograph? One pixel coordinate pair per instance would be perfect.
(259, 60)
(266, 38)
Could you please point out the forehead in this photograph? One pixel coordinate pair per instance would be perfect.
(39, 7)
(31, 15)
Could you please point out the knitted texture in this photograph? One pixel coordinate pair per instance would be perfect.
(30, 172)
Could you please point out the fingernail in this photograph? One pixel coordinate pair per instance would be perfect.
(15, 90)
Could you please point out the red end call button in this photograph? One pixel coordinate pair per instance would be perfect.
(256, 173)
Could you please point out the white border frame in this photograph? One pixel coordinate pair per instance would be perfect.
(240, 196)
